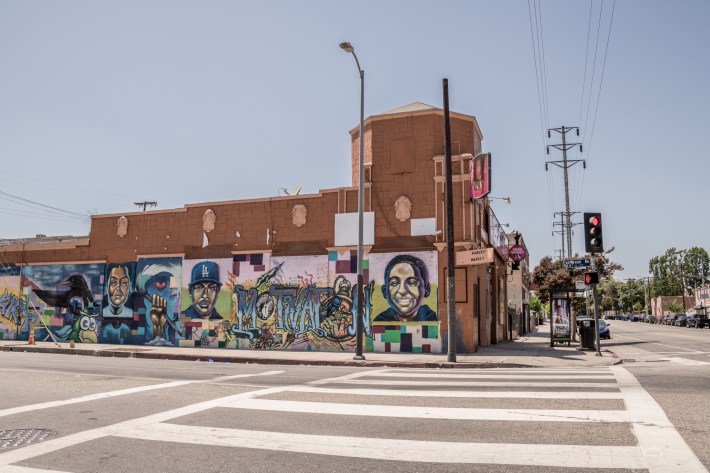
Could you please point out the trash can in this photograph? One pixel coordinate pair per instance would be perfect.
(587, 332)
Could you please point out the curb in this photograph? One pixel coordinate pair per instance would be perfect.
(261, 361)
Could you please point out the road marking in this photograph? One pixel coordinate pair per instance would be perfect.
(346, 377)
(501, 370)
(507, 384)
(686, 362)
(662, 344)
(31, 451)
(445, 413)
(662, 445)
(493, 376)
(123, 392)
(571, 456)
(464, 394)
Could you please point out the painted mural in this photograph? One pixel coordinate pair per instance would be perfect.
(157, 303)
(247, 301)
(15, 316)
(404, 302)
(68, 298)
(265, 302)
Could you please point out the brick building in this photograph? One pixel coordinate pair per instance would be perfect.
(279, 272)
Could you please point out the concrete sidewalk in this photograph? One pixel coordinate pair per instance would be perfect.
(531, 351)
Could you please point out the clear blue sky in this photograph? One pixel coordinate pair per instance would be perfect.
(107, 103)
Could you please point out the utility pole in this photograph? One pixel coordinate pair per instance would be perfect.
(146, 203)
(565, 164)
(561, 223)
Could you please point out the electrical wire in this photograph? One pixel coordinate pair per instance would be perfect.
(23, 201)
(594, 66)
(601, 80)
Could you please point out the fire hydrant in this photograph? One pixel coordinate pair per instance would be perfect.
(31, 339)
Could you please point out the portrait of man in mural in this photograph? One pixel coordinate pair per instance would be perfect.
(406, 285)
(204, 288)
(118, 288)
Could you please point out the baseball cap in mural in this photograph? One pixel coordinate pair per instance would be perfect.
(205, 271)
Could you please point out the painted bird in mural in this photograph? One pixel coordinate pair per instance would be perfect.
(76, 299)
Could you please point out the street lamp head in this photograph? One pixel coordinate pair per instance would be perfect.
(347, 47)
(506, 200)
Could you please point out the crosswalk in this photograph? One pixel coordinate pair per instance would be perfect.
(515, 417)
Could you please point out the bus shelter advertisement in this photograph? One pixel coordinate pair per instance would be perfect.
(560, 319)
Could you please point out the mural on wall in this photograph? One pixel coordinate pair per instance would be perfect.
(157, 302)
(248, 301)
(68, 298)
(15, 316)
(294, 302)
(118, 319)
(404, 302)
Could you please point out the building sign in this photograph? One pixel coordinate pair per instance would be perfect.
(480, 175)
(517, 253)
(474, 257)
(499, 239)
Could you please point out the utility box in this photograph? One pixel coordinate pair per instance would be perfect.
(587, 331)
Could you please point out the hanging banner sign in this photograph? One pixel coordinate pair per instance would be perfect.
(474, 257)
(480, 175)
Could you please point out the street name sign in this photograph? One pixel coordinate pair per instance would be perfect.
(577, 263)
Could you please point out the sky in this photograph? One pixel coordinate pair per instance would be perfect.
(103, 104)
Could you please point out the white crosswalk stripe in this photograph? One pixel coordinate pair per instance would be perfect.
(614, 395)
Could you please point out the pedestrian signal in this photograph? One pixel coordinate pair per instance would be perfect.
(591, 277)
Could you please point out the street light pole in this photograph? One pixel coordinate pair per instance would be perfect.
(359, 317)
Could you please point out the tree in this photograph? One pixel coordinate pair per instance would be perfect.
(675, 307)
(632, 295)
(549, 274)
(675, 269)
(665, 271)
(535, 304)
(696, 268)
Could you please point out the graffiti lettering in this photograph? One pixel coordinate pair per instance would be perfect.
(15, 310)
(298, 310)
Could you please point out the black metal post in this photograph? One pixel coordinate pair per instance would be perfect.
(450, 280)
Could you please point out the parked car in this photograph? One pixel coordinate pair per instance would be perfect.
(604, 330)
(651, 319)
(697, 321)
(680, 321)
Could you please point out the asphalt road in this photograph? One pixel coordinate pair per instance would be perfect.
(119, 415)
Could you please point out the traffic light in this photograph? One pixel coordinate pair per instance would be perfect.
(593, 242)
(591, 277)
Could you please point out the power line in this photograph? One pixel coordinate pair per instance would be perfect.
(601, 81)
(23, 201)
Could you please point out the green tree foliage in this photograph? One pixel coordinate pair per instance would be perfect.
(535, 304)
(696, 268)
(609, 291)
(549, 274)
(632, 296)
(674, 269)
(675, 307)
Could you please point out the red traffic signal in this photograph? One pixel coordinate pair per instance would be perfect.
(593, 242)
(592, 277)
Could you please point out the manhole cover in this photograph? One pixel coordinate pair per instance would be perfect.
(21, 437)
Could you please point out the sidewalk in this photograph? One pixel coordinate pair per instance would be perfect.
(531, 351)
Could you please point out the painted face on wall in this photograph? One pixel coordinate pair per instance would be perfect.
(204, 297)
(405, 289)
(118, 286)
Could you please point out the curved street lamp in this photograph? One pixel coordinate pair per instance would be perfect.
(347, 47)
